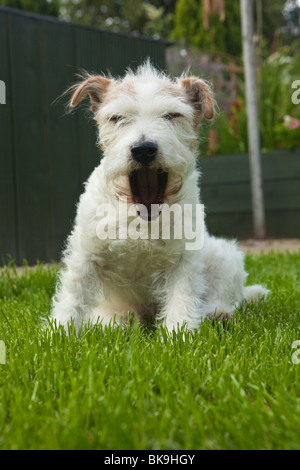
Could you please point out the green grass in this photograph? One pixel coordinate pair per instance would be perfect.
(233, 387)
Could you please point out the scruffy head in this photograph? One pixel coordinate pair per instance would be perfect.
(148, 125)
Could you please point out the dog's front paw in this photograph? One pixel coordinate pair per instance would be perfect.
(220, 314)
(171, 326)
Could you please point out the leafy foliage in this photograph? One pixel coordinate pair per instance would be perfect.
(272, 19)
(226, 37)
(42, 7)
(279, 116)
(134, 16)
(221, 37)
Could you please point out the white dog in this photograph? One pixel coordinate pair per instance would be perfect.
(148, 128)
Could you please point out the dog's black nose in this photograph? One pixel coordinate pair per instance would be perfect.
(144, 152)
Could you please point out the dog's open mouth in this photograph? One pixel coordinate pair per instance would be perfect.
(148, 187)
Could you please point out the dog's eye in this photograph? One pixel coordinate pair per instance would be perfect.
(171, 116)
(116, 118)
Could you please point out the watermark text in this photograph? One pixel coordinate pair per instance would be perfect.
(2, 92)
(2, 353)
(296, 354)
(296, 94)
(166, 222)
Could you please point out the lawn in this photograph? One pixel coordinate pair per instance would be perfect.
(233, 387)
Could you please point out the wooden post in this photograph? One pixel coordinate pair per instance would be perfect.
(257, 196)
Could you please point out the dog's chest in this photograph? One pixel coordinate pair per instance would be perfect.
(140, 262)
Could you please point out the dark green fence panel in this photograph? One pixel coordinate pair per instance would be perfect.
(226, 193)
(46, 155)
(8, 219)
(63, 149)
(30, 136)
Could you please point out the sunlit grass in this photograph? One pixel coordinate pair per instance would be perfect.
(233, 387)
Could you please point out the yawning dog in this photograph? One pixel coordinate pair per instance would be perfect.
(148, 127)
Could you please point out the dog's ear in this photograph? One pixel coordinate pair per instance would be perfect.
(199, 95)
(94, 86)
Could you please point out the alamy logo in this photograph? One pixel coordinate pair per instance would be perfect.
(296, 354)
(296, 94)
(164, 222)
(2, 92)
(2, 353)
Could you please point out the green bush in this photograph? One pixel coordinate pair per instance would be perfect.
(276, 78)
(279, 117)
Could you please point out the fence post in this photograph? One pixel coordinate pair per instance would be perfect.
(253, 130)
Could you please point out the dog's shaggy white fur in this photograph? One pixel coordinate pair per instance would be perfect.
(148, 124)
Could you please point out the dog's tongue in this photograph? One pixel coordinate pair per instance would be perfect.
(148, 187)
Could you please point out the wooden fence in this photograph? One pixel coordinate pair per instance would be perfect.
(44, 155)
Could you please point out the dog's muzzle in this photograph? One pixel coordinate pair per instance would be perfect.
(147, 184)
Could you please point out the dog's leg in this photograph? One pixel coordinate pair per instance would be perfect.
(183, 293)
(78, 292)
(83, 298)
